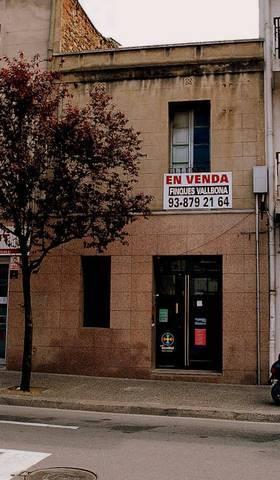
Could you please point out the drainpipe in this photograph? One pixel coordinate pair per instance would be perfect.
(277, 260)
(271, 177)
(258, 291)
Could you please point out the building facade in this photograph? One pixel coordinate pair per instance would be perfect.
(188, 297)
(180, 300)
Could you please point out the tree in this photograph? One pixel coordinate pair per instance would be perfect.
(62, 176)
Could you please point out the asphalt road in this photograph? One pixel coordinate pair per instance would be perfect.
(131, 447)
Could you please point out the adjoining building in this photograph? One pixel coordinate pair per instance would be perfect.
(43, 26)
(270, 32)
(38, 27)
(187, 298)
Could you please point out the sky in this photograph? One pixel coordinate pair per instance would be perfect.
(156, 22)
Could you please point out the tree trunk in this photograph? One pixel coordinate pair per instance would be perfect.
(28, 326)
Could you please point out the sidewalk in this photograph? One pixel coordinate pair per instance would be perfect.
(152, 397)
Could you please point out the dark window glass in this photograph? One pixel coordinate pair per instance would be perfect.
(201, 135)
(97, 280)
(202, 115)
(201, 158)
(201, 142)
(4, 268)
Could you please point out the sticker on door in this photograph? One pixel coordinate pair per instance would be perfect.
(200, 337)
(167, 342)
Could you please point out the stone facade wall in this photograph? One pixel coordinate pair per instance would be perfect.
(78, 33)
(62, 344)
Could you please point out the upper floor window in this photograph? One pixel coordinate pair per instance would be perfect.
(190, 136)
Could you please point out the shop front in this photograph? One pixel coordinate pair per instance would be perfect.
(189, 312)
(9, 266)
(4, 284)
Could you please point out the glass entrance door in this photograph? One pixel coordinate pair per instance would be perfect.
(4, 276)
(189, 312)
(170, 320)
(205, 340)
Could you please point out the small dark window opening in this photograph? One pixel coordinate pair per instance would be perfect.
(190, 136)
(97, 289)
(276, 31)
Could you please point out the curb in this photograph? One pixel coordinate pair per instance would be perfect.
(217, 414)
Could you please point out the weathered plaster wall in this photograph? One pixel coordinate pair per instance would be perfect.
(25, 27)
(34, 26)
(144, 81)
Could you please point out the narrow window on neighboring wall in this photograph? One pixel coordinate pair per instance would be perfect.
(190, 136)
(97, 288)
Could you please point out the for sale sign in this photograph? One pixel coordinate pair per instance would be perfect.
(194, 191)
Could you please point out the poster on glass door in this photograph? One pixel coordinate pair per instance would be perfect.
(195, 191)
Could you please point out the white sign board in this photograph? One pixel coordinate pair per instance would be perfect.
(8, 243)
(195, 191)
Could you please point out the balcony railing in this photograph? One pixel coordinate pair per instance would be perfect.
(276, 39)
